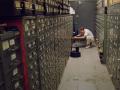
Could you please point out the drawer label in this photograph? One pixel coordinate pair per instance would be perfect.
(5, 45)
(33, 26)
(33, 32)
(36, 6)
(17, 4)
(29, 34)
(27, 5)
(13, 56)
(31, 66)
(29, 45)
(12, 42)
(17, 84)
(15, 71)
(26, 27)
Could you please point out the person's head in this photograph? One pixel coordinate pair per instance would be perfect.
(82, 30)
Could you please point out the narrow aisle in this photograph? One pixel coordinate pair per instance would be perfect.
(86, 73)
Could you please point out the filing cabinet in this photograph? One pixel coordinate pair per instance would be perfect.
(29, 26)
(48, 9)
(101, 28)
(56, 7)
(11, 75)
(52, 55)
(112, 44)
(39, 8)
(47, 45)
(40, 1)
(29, 8)
(30, 37)
(33, 75)
(33, 7)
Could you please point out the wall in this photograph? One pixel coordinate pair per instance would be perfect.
(85, 14)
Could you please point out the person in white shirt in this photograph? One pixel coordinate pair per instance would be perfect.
(85, 34)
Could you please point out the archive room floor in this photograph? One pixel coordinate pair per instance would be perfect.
(86, 73)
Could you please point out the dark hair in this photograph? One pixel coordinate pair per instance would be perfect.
(82, 28)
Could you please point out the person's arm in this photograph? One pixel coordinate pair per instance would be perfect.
(80, 35)
(78, 38)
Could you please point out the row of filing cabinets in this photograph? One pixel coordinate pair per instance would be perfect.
(101, 27)
(53, 49)
(45, 43)
(112, 50)
(33, 7)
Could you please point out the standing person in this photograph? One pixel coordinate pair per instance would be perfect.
(85, 34)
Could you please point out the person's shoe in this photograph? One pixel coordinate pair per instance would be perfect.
(87, 47)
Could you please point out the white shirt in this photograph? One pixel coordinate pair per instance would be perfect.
(88, 34)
